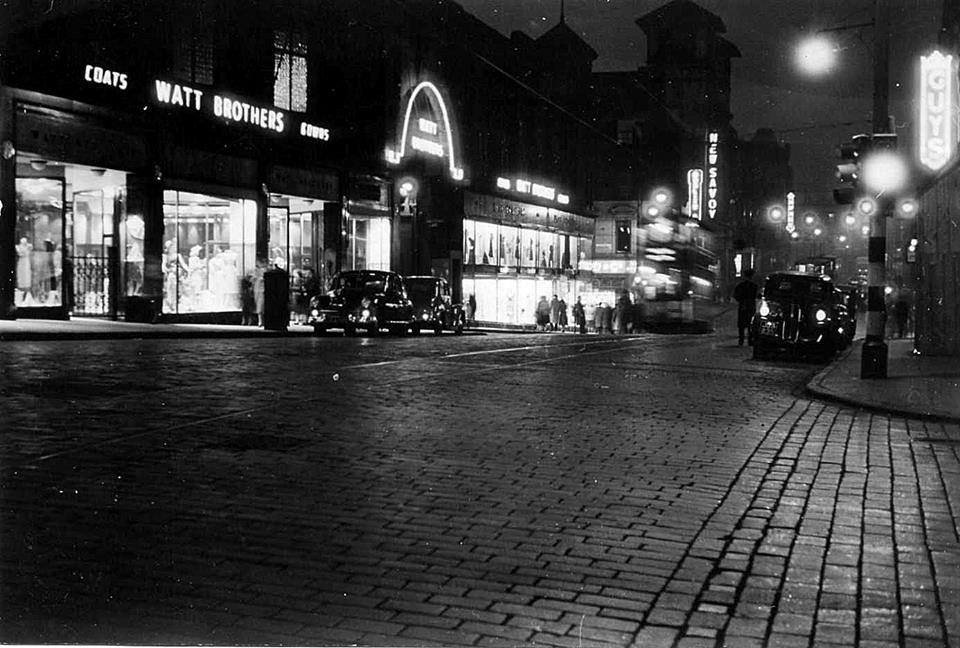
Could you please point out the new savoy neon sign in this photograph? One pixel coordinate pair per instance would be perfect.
(426, 139)
(713, 173)
(937, 130)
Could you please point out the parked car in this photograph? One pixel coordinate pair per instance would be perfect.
(370, 300)
(801, 312)
(433, 306)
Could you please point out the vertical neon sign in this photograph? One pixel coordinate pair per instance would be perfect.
(938, 135)
(791, 210)
(713, 173)
(695, 192)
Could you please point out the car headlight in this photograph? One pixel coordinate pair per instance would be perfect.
(764, 308)
(820, 315)
(425, 316)
(365, 313)
(314, 312)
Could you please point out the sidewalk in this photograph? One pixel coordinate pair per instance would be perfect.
(916, 385)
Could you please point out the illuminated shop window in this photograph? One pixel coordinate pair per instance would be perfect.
(289, 71)
(368, 247)
(209, 246)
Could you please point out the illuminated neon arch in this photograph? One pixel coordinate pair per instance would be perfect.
(394, 157)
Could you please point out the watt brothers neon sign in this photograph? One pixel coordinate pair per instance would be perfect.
(428, 132)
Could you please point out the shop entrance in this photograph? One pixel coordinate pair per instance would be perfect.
(76, 244)
(95, 260)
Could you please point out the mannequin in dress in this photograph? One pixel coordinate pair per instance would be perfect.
(24, 272)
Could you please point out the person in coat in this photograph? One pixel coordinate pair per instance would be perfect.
(746, 293)
(562, 319)
(579, 317)
(543, 314)
(554, 313)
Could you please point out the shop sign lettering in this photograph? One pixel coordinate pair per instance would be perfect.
(713, 173)
(103, 76)
(937, 96)
(176, 94)
(439, 127)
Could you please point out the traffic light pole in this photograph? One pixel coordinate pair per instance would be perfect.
(873, 362)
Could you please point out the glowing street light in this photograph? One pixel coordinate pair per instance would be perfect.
(885, 172)
(817, 55)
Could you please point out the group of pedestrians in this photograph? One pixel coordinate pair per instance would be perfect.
(552, 316)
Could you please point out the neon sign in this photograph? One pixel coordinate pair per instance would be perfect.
(427, 127)
(791, 209)
(233, 110)
(102, 76)
(695, 192)
(937, 96)
(713, 173)
(523, 186)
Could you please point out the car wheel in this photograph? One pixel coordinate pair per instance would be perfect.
(349, 331)
(416, 329)
(319, 330)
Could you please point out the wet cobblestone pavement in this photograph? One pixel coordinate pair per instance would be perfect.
(480, 490)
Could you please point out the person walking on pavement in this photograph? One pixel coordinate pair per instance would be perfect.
(562, 319)
(746, 293)
(543, 314)
(579, 317)
(554, 313)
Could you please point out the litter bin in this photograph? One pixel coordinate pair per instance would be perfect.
(276, 299)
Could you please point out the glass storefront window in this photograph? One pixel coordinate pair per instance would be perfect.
(209, 245)
(528, 253)
(369, 244)
(487, 247)
(509, 246)
(39, 242)
(469, 242)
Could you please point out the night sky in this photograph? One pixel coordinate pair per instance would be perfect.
(813, 115)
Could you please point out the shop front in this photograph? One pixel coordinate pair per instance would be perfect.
(77, 230)
(516, 253)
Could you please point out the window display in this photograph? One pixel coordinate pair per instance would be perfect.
(487, 247)
(209, 245)
(368, 247)
(38, 242)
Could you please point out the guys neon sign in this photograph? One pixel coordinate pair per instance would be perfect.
(427, 135)
(938, 135)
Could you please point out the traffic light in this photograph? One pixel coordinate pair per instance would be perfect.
(848, 168)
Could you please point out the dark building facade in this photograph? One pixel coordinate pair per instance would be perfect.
(155, 154)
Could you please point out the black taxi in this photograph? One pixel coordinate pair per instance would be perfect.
(802, 312)
(367, 300)
(433, 306)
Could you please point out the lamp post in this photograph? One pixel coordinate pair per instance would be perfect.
(818, 60)
(873, 360)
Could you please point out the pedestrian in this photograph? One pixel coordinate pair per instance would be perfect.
(248, 305)
(746, 293)
(543, 314)
(471, 309)
(579, 317)
(607, 322)
(258, 293)
(562, 320)
(554, 313)
(901, 313)
(598, 318)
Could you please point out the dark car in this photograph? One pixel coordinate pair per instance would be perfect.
(433, 306)
(801, 312)
(370, 300)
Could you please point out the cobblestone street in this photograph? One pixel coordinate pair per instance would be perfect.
(479, 490)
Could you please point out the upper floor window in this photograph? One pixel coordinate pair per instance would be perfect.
(193, 59)
(289, 71)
